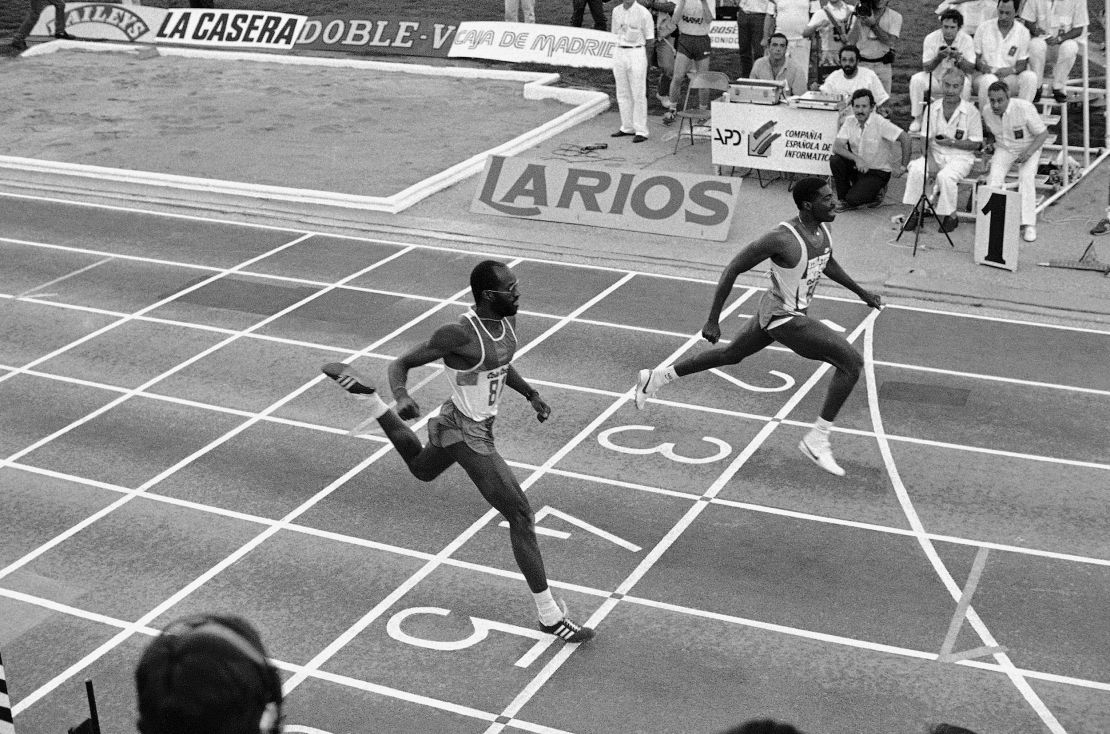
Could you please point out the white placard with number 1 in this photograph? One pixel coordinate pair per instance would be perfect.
(997, 228)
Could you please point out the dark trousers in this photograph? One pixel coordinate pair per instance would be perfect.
(33, 13)
(855, 188)
(597, 12)
(750, 39)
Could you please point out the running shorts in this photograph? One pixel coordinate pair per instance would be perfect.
(693, 47)
(452, 426)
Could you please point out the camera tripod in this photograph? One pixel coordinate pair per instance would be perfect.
(923, 204)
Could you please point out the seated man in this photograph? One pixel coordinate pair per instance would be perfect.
(957, 131)
(775, 66)
(943, 49)
(860, 160)
(1055, 25)
(1002, 53)
(1019, 132)
(975, 12)
(850, 78)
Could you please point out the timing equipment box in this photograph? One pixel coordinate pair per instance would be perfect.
(756, 91)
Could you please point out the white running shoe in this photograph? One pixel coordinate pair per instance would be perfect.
(644, 389)
(817, 448)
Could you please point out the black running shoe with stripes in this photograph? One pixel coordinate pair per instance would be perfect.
(568, 630)
(348, 379)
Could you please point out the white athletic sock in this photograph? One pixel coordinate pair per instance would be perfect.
(546, 606)
(377, 406)
(663, 375)
(822, 427)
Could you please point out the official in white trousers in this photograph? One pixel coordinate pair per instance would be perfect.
(956, 128)
(516, 8)
(1019, 133)
(634, 28)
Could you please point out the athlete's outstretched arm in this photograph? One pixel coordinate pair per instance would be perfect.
(532, 395)
(444, 341)
(766, 247)
(837, 275)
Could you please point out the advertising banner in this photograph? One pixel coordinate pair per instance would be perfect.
(531, 42)
(724, 34)
(377, 35)
(685, 205)
(773, 137)
(102, 21)
(241, 29)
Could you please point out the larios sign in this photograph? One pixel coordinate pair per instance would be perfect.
(685, 205)
(377, 36)
(230, 28)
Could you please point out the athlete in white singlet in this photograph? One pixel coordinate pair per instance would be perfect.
(800, 250)
(477, 352)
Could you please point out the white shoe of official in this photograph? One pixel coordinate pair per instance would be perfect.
(817, 448)
(915, 126)
(645, 388)
(1029, 233)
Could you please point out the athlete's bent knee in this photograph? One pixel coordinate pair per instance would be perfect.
(852, 364)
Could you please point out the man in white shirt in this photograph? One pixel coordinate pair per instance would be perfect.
(1056, 26)
(975, 12)
(943, 49)
(754, 23)
(860, 159)
(775, 66)
(850, 78)
(830, 25)
(1002, 53)
(634, 28)
(1019, 132)
(876, 34)
(957, 133)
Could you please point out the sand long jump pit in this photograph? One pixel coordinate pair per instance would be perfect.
(263, 132)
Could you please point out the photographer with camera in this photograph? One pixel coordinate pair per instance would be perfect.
(830, 25)
(875, 30)
(943, 49)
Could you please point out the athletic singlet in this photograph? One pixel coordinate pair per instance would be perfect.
(476, 391)
(692, 22)
(792, 288)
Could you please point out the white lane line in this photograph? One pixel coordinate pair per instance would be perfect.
(583, 266)
(536, 314)
(553, 665)
(59, 279)
(926, 544)
(151, 307)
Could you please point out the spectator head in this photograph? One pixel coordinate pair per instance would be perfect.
(208, 673)
(763, 726)
(863, 103)
(1007, 10)
(951, 21)
(998, 94)
(952, 84)
(776, 46)
(849, 59)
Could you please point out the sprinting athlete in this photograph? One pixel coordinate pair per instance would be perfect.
(477, 352)
(799, 251)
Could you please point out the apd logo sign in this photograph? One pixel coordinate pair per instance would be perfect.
(685, 205)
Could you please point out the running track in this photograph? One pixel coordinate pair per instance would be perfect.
(167, 446)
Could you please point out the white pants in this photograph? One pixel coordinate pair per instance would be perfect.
(948, 170)
(1001, 164)
(1062, 56)
(920, 81)
(630, 73)
(526, 7)
(1022, 85)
